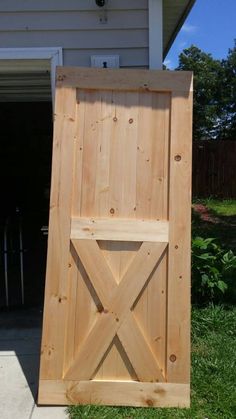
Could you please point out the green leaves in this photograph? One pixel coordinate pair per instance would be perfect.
(222, 286)
(229, 261)
(211, 269)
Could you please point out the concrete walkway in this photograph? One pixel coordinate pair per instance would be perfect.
(20, 335)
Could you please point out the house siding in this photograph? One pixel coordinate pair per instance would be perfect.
(75, 26)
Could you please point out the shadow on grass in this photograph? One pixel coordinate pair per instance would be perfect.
(210, 223)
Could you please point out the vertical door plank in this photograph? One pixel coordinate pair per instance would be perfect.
(122, 137)
(104, 139)
(152, 156)
(92, 137)
(123, 155)
(116, 365)
(144, 155)
(71, 312)
(152, 203)
(160, 155)
(87, 309)
(179, 274)
(73, 279)
(150, 312)
(78, 157)
(56, 294)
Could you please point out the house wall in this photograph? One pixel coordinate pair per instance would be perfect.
(75, 26)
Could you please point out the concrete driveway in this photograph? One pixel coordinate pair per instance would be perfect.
(20, 334)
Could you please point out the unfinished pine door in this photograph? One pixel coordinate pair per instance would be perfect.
(117, 298)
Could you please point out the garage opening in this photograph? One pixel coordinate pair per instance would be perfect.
(25, 168)
(25, 171)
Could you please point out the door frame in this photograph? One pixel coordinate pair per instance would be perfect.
(53, 54)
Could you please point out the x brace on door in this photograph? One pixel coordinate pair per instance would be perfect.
(116, 317)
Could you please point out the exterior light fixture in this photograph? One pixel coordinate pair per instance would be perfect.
(103, 10)
(100, 3)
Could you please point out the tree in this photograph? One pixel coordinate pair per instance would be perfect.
(206, 90)
(228, 96)
(214, 101)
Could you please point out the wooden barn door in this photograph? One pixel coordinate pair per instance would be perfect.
(117, 298)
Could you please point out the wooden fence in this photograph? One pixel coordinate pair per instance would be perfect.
(214, 169)
(117, 301)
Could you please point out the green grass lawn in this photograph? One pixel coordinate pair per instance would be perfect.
(225, 208)
(213, 394)
(213, 382)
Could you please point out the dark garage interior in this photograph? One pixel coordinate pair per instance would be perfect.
(25, 170)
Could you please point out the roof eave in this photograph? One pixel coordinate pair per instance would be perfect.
(178, 26)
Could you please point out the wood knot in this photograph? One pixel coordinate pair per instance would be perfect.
(61, 298)
(115, 119)
(177, 157)
(112, 211)
(131, 120)
(173, 358)
(176, 246)
(159, 391)
(149, 402)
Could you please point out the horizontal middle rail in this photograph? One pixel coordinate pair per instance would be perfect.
(120, 229)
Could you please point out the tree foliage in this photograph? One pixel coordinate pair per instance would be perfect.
(214, 93)
(228, 96)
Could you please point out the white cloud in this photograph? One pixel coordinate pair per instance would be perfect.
(168, 63)
(187, 28)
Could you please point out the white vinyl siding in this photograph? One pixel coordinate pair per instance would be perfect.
(75, 26)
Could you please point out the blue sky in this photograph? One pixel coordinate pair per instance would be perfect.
(211, 26)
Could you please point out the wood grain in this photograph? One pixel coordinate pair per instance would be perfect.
(58, 261)
(122, 79)
(112, 393)
(179, 267)
(117, 299)
(119, 229)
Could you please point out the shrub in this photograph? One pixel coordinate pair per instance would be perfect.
(212, 270)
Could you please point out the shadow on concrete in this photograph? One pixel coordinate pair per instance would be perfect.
(20, 337)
